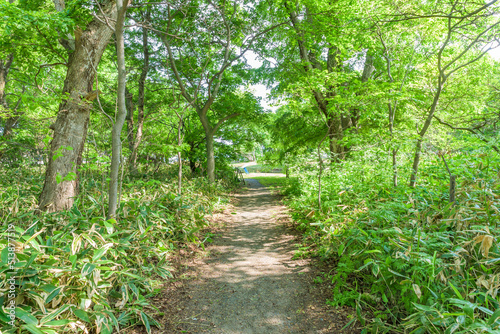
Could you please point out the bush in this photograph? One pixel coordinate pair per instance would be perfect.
(412, 261)
(76, 269)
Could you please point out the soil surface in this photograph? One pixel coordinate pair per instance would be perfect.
(250, 283)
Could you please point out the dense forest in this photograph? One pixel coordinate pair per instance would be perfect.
(121, 123)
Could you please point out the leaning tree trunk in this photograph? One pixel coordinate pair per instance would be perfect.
(421, 134)
(70, 128)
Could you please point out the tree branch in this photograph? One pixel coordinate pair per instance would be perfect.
(219, 123)
(471, 130)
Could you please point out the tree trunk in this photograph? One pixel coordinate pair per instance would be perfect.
(192, 165)
(394, 168)
(10, 120)
(335, 135)
(4, 72)
(116, 146)
(392, 112)
(209, 142)
(179, 156)
(416, 162)
(421, 134)
(320, 173)
(130, 119)
(70, 128)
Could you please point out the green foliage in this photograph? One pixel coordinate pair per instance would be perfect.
(407, 259)
(75, 269)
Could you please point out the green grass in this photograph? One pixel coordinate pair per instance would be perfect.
(260, 168)
(277, 182)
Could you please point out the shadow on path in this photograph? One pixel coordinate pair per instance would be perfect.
(251, 284)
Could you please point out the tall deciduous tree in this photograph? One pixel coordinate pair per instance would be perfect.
(116, 145)
(70, 129)
(470, 31)
(204, 41)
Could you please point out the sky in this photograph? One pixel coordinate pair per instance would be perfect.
(259, 90)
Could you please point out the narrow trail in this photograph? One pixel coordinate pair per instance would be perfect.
(250, 284)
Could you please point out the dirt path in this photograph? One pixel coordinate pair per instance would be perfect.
(250, 284)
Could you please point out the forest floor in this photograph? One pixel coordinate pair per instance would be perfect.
(249, 282)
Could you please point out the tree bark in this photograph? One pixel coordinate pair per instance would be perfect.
(209, 144)
(70, 128)
(116, 146)
(423, 131)
(5, 65)
(130, 119)
(179, 154)
(4, 72)
(320, 173)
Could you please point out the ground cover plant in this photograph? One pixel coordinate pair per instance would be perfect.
(77, 270)
(407, 258)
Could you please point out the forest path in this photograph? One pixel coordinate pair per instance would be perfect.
(250, 284)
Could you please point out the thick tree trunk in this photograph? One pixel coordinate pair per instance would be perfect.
(192, 165)
(335, 135)
(70, 128)
(209, 142)
(116, 145)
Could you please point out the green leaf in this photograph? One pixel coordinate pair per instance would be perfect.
(101, 251)
(48, 288)
(26, 317)
(145, 321)
(56, 323)
(87, 269)
(54, 314)
(424, 308)
(5, 255)
(32, 329)
(456, 291)
(109, 227)
(81, 314)
(452, 328)
(52, 295)
(341, 249)
(494, 317)
(72, 259)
